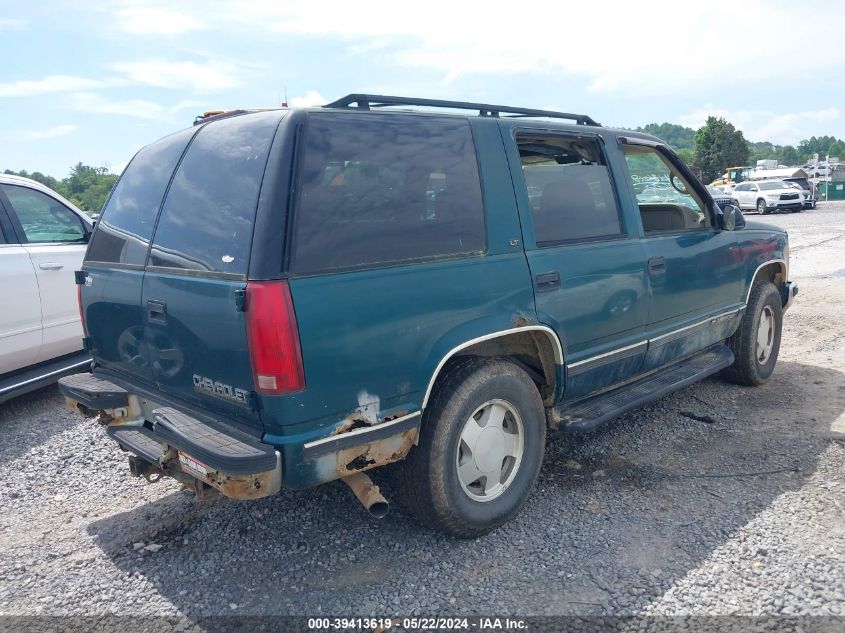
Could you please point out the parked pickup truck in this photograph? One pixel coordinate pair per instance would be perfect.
(289, 297)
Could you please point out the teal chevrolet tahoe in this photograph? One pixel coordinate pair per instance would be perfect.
(283, 298)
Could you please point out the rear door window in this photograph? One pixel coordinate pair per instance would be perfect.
(207, 217)
(126, 224)
(569, 188)
(42, 218)
(382, 189)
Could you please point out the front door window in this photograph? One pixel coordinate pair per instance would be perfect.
(667, 201)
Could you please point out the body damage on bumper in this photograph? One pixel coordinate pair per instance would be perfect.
(160, 440)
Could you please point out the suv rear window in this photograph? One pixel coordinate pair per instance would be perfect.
(381, 189)
(126, 225)
(207, 217)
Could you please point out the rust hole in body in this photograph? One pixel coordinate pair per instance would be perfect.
(379, 453)
(359, 463)
(351, 425)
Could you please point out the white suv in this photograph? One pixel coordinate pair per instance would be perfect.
(42, 242)
(767, 196)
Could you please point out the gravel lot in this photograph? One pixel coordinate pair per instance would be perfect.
(657, 513)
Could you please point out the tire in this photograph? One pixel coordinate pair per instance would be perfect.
(761, 207)
(752, 365)
(429, 477)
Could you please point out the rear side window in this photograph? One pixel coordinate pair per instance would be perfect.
(568, 187)
(126, 225)
(207, 217)
(381, 189)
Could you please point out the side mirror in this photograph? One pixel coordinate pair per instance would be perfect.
(731, 218)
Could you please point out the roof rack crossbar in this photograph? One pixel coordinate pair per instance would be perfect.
(368, 102)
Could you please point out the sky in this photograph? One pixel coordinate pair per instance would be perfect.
(96, 83)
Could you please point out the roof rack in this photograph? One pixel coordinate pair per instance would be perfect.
(368, 102)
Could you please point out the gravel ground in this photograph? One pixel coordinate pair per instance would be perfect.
(657, 513)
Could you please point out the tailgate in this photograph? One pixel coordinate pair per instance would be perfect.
(197, 343)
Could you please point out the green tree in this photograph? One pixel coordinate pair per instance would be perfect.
(687, 155)
(837, 148)
(789, 156)
(87, 187)
(719, 145)
(678, 136)
(37, 176)
(821, 145)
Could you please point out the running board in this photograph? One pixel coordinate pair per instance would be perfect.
(32, 378)
(587, 413)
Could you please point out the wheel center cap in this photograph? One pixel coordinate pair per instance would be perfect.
(489, 450)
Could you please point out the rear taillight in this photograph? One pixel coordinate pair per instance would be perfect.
(273, 338)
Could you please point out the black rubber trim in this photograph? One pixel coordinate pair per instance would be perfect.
(138, 440)
(92, 392)
(367, 436)
(229, 451)
(588, 413)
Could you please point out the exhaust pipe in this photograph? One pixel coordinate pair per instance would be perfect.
(368, 494)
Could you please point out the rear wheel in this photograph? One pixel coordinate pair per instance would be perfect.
(761, 207)
(480, 449)
(756, 342)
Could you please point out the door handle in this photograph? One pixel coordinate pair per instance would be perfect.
(157, 311)
(656, 266)
(547, 281)
(51, 266)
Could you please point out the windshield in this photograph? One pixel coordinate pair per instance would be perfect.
(774, 184)
(801, 182)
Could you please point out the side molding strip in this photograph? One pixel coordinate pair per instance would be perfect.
(656, 339)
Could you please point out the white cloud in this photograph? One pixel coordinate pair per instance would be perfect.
(782, 128)
(310, 98)
(652, 47)
(95, 103)
(135, 108)
(39, 135)
(52, 132)
(53, 83)
(156, 20)
(205, 77)
(12, 24)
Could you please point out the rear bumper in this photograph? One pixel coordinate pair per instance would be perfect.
(175, 444)
(237, 464)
